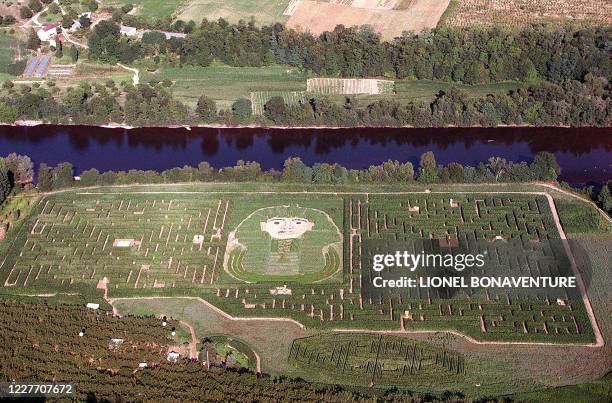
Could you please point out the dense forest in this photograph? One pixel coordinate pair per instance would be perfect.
(471, 55)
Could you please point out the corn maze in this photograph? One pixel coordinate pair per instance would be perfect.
(369, 359)
(134, 242)
(175, 244)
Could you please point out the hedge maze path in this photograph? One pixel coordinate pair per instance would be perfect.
(522, 219)
(136, 242)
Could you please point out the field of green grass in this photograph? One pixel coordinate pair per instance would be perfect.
(226, 84)
(264, 12)
(65, 245)
(7, 43)
(271, 340)
(307, 258)
(147, 244)
(153, 9)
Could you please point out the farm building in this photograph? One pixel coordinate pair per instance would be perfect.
(48, 33)
(173, 356)
(128, 31)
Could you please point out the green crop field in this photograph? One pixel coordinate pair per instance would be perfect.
(226, 84)
(214, 245)
(264, 12)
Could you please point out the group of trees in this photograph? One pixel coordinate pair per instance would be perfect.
(107, 45)
(544, 167)
(470, 55)
(150, 104)
(40, 341)
(144, 105)
(542, 104)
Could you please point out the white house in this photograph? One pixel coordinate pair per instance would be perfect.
(47, 32)
(128, 31)
(173, 356)
(91, 305)
(168, 35)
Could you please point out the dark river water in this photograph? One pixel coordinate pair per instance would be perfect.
(585, 155)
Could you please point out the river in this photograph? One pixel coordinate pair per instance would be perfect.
(585, 154)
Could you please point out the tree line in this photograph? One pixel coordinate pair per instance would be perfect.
(544, 167)
(542, 104)
(151, 104)
(473, 55)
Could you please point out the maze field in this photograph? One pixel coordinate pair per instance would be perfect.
(259, 99)
(132, 241)
(349, 86)
(299, 255)
(368, 359)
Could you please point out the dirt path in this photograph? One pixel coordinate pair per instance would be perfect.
(213, 307)
(136, 77)
(193, 346)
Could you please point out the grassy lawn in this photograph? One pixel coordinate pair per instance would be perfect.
(7, 42)
(225, 84)
(154, 9)
(598, 391)
(271, 340)
(263, 11)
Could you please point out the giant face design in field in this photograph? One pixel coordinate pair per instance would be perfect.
(287, 242)
(286, 227)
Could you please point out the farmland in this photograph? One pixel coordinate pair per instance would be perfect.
(263, 11)
(369, 359)
(160, 251)
(153, 9)
(11, 48)
(225, 84)
(259, 99)
(175, 244)
(390, 22)
(518, 13)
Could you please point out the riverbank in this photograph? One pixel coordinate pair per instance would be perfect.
(34, 123)
(584, 154)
